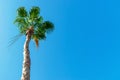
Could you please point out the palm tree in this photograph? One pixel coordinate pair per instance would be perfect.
(31, 25)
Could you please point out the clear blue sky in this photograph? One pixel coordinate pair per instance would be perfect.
(85, 44)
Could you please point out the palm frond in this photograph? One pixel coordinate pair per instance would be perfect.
(14, 39)
(38, 21)
(48, 26)
(22, 24)
(23, 29)
(20, 20)
(34, 12)
(22, 12)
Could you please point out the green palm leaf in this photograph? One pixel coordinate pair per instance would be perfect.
(22, 12)
(48, 26)
(34, 12)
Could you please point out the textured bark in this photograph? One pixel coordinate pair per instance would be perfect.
(26, 59)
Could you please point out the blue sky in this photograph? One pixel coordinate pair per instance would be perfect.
(85, 44)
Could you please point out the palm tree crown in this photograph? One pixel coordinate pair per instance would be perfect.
(33, 21)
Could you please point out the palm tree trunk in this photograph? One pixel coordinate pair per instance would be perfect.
(26, 59)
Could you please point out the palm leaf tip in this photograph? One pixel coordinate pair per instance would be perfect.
(22, 12)
(48, 26)
(34, 12)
